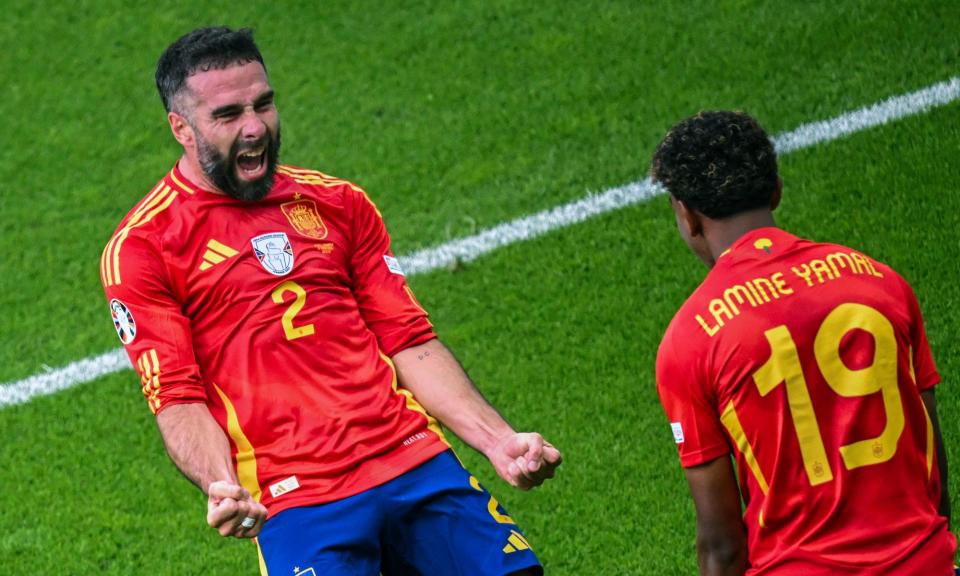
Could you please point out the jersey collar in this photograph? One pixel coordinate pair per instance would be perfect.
(768, 240)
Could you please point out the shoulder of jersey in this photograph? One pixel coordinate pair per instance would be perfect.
(154, 211)
(325, 188)
(883, 267)
(313, 178)
(158, 205)
(679, 327)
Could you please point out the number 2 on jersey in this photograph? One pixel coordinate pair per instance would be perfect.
(300, 297)
(880, 376)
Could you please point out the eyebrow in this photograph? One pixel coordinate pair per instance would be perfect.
(229, 109)
(264, 98)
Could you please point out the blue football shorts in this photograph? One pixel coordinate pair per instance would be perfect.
(433, 520)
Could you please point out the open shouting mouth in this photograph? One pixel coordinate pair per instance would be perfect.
(252, 164)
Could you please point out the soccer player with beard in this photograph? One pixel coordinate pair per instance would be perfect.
(807, 362)
(294, 377)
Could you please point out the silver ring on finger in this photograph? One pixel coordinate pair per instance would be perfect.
(249, 522)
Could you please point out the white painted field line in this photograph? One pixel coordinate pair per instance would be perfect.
(881, 113)
(470, 248)
(62, 378)
(526, 228)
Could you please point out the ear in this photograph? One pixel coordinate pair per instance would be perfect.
(182, 131)
(777, 194)
(688, 218)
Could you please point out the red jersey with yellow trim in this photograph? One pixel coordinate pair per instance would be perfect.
(281, 316)
(806, 361)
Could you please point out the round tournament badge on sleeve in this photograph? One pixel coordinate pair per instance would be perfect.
(123, 321)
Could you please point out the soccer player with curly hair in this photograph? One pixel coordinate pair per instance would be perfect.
(807, 363)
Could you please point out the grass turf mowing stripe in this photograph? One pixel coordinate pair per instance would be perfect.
(472, 247)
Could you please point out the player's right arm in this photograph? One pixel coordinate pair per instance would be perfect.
(199, 448)
(425, 367)
(157, 337)
(690, 407)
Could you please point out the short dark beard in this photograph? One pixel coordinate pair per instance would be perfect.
(222, 173)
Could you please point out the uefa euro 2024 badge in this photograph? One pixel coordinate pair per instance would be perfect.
(123, 321)
(274, 252)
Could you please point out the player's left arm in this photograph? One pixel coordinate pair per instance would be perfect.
(929, 398)
(926, 378)
(442, 387)
(424, 365)
(721, 534)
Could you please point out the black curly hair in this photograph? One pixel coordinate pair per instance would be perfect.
(717, 163)
(203, 49)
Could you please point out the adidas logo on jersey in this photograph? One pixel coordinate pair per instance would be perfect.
(215, 254)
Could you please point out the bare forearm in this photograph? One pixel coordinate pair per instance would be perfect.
(722, 546)
(944, 484)
(721, 534)
(440, 385)
(930, 402)
(433, 375)
(196, 444)
(722, 560)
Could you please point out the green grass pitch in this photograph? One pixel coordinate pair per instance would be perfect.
(454, 116)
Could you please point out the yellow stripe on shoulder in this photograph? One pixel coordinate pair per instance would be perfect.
(300, 174)
(145, 214)
(148, 199)
(106, 271)
(303, 171)
(314, 177)
(372, 203)
(178, 182)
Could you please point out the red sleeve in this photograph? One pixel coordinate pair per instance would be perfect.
(925, 371)
(689, 406)
(151, 326)
(386, 303)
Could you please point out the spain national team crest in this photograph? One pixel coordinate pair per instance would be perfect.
(305, 218)
(274, 252)
(123, 321)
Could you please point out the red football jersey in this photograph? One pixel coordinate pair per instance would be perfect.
(281, 316)
(806, 360)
